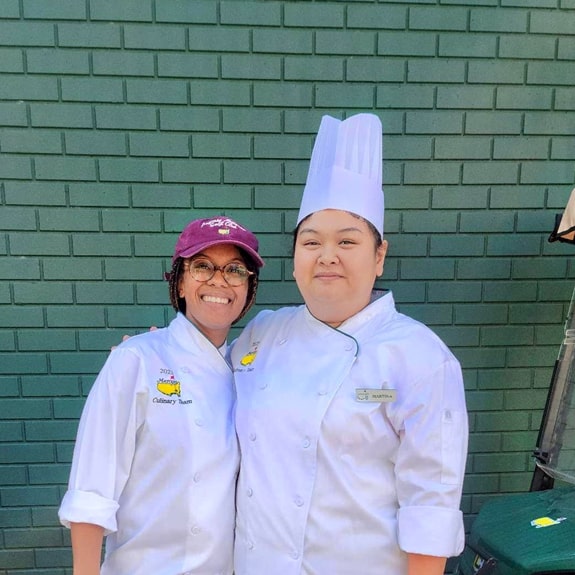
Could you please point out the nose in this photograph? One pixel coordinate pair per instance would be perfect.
(218, 277)
(328, 255)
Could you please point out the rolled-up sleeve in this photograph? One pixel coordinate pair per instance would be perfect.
(430, 465)
(105, 444)
(87, 507)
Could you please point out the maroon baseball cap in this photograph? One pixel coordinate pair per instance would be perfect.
(201, 234)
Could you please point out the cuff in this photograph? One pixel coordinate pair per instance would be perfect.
(88, 507)
(427, 530)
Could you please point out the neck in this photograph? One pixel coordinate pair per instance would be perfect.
(217, 337)
(334, 315)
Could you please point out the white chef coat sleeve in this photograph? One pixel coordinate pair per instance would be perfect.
(430, 463)
(105, 444)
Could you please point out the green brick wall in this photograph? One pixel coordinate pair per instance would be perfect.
(121, 121)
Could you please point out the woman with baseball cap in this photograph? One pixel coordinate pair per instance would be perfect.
(156, 457)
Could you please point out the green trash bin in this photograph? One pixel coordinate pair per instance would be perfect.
(528, 534)
(534, 533)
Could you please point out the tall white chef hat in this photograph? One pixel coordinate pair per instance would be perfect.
(345, 169)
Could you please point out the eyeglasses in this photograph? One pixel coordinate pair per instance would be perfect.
(204, 270)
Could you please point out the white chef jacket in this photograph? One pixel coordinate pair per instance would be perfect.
(353, 444)
(156, 457)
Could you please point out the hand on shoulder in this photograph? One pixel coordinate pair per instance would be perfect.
(125, 337)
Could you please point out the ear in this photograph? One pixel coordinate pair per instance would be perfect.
(380, 258)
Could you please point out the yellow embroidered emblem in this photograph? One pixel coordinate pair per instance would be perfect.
(248, 358)
(168, 387)
(223, 232)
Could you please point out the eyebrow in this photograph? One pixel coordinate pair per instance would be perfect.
(342, 231)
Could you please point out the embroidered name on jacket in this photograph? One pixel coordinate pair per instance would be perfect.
(376, 395)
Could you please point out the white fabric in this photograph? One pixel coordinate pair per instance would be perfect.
(345, 169)
(329, 484)
(158, 471)
(566, 229)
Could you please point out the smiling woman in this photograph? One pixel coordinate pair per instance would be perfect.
(207, 234)
(163, 398)
(336, 261)
(350, 416)
(213, 304)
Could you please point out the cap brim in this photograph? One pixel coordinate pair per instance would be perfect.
(197, 249)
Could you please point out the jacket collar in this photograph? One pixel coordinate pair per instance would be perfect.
(191, 338)
(381, 309)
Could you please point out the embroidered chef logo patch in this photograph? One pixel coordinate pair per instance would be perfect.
(168, 385)
(249, 358)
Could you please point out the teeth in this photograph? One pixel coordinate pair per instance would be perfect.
(214, 299)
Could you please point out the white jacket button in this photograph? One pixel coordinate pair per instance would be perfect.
(298, 501)
(306, 443)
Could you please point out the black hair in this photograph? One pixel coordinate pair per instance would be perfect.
(374, 231)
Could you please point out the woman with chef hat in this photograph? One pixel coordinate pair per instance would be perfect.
(156, 457)
(351, 416)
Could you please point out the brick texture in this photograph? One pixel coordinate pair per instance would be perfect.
(121, 121)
